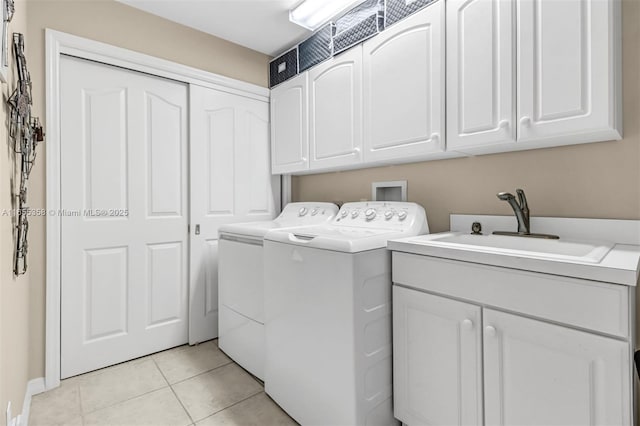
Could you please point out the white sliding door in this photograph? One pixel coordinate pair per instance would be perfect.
(124, 255)
(230, 182)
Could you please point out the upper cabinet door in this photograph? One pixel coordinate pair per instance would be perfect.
(480, 73)
(289, 126)
(335, 111)
(541, 374)
(404, 88)
(569, 70)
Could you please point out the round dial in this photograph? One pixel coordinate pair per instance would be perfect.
(302, 211)
(314, 212)
(355, 214)
(402, 215)
(370, 214)
(344, 213)
(388, 214)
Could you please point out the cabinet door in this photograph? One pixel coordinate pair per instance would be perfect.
(568, 70)
(542, 374)
(437, 360)
(289, 126)
(335, 111)
(480, 73)
(404, 88)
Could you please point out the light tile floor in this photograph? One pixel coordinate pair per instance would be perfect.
(187, 385)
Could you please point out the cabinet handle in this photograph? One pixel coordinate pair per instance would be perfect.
(356, 150)
(435, 137)
(467, 324)
(504, 124)
(490, 331)
(304, 159)
(525, 121)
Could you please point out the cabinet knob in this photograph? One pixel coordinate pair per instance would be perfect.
(356, 151)
(435, 137)
(490, 331)
(504, 124)
(467, 324)
(525, 121)
(304, 159)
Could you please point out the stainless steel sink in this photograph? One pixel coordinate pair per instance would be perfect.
(561, 249)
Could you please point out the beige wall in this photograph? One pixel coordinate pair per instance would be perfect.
(600, 180)
(15, 294)
(113, 23)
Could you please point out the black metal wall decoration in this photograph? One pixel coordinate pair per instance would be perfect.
(25, 132)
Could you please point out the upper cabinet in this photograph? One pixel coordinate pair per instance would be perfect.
(481, 73)
(289, 126)
(568, 70)
(403, 74)
(567, 86)
(335, 111)
(518, 74)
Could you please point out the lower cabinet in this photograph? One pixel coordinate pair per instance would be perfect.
(543, 374)
(437, 357)
(458, 363)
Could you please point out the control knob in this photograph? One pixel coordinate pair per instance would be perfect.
(355, 214)
(402, 215)
(344, 213)
(370, 214)
(388, 214)
(314, 212)
(302, 211)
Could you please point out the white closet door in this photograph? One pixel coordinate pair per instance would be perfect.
(230, 182)
(124, 257)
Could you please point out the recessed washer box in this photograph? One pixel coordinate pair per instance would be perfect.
(389, 191)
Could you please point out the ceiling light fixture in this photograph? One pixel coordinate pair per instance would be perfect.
(311, 14)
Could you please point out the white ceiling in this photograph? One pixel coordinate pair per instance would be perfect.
(261, 25)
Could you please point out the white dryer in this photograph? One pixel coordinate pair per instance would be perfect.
(241, 285)
(328, 314)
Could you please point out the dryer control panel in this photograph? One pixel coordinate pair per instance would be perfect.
(383, 215)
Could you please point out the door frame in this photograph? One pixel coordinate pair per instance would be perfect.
(58, 44)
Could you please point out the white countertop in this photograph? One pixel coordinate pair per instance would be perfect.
(621, 265)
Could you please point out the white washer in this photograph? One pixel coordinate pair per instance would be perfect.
(328, 314)
(241, 285)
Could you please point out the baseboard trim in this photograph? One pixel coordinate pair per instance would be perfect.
(34, 387)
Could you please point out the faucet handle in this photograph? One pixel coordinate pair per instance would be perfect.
(523, 199)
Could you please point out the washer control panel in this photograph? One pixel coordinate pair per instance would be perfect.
(303, 213)
(379, 214)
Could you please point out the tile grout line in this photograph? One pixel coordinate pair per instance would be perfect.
(78, 378)
(123, 401)
(80, 403)
(201, 373)
(232, 405)
(174, 392)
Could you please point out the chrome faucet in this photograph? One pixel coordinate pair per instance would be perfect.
(520, 209)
